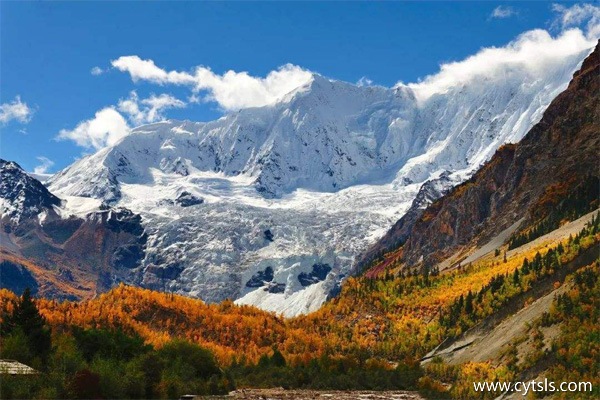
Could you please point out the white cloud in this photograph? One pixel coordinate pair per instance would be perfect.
(157, 104)
(577, 15)
(194, 99)
(232, 90)
(503, 12)
(96, 71)
(150, 109)
(364, 81)
(146, 70)
(535, 52)
(15, 110)
(109, 125)
(131, 107)
(236, 90)
(45, 165)
(106, 128)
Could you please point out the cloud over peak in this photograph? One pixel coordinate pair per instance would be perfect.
(44, 166)
(536, 52)
(111, 124)
(148, 110)
(106, 128)
(231, 90)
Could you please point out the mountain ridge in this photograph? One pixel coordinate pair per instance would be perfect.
(569, 130)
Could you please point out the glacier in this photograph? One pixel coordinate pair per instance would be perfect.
(271, 206)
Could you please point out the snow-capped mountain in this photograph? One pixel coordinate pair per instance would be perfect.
(324, 136)
(22, 196)
(271, 205)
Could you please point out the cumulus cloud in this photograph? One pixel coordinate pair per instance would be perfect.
(96, 71)
(231, 90)
(501, 12)
(15, 110)
(577, 15)
(236, 90)
(155, 105)
(111, 124)
(106, 128)
(150, 109)
(45, 165)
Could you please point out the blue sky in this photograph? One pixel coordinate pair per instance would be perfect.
(48, 51)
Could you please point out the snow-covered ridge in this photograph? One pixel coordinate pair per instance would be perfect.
(288, 195)
(323, 136)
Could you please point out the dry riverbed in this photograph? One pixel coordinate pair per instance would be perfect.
(282, 394)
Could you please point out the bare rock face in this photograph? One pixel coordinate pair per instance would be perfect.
(560, 151)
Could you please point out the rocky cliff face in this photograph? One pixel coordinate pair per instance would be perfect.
(559, 151)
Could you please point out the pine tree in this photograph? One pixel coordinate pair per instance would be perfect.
(26, 317)
(516, 277)
(469, 304)
(277, 359)
(525, 267)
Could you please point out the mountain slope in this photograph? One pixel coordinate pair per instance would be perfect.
(320, 137)
(525, 180)
(328, 135)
